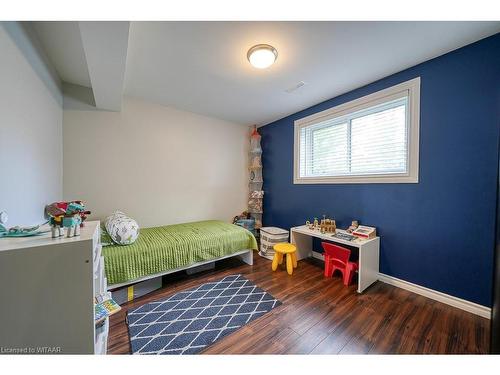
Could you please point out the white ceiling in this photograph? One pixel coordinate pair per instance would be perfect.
(201, 66)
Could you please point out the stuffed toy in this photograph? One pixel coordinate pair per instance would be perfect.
(68, 215)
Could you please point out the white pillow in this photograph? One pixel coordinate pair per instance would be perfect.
(122, 229)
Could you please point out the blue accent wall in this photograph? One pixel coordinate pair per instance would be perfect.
(438, 233)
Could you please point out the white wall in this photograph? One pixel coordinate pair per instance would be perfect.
(30, 130)
(157, 164)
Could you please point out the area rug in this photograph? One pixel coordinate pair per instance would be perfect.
(189, 321)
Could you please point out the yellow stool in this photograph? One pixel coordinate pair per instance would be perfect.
(281, 249)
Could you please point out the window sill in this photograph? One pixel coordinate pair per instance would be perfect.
(378, 179)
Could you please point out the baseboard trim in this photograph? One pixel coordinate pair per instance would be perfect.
(318, 255)
(459, 303)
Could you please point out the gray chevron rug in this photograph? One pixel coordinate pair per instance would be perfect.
(189, 321)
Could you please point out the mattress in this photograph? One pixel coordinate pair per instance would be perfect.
(160, 249)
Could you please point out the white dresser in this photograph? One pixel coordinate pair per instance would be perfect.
(47, 290)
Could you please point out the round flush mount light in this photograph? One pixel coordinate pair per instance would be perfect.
(262, 56)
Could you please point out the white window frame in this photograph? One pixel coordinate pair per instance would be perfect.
(412, 89)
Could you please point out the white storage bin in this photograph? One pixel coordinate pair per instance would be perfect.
(270, 236)
(129, 293)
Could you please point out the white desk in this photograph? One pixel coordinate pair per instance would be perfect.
(368, 252)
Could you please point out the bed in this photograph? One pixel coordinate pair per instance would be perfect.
(162, 250)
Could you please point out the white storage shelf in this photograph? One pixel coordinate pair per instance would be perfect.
(50, 285)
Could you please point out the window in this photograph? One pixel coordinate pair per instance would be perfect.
(373, 139)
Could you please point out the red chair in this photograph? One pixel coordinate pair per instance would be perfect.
(337, 258)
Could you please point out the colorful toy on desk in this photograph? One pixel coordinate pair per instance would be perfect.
(344, 236)
(326, 225)
(312, 226)
(354, 225)
(68, 215)
(365, 232)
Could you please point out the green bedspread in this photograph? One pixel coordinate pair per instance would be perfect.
(163, 248)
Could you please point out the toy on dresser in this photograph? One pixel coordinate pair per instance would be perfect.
(68, 215)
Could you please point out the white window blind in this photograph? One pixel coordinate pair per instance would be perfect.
(371, 139)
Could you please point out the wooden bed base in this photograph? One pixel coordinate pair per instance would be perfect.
(245, 255)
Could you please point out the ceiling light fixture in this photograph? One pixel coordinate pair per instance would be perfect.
(262, 56)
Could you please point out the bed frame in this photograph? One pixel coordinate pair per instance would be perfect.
(245, 255)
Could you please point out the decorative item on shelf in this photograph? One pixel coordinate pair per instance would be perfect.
(365, 232)
(68, 215)
(353, 226)
(255, 161)
(18, 231)
(257, 194)
(255, 205)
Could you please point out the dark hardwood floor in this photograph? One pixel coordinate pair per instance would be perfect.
(322, 316)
